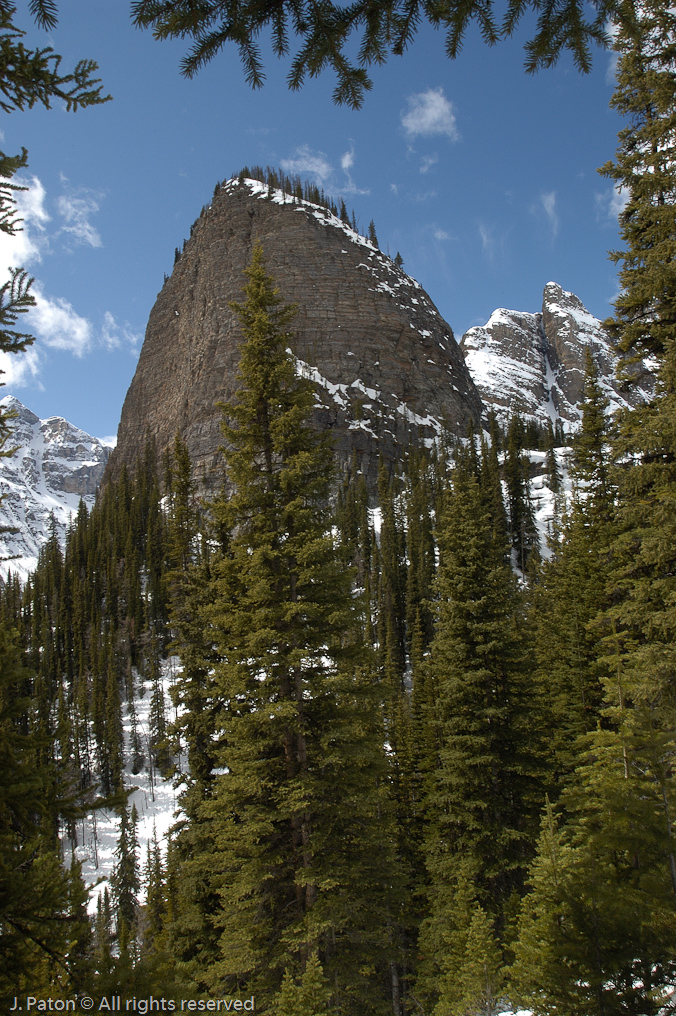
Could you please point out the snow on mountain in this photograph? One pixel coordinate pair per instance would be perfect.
(54, 466)
(534, 363)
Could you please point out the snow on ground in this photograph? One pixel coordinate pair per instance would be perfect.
(156, 800)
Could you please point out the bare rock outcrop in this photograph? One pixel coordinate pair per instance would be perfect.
(388, 369)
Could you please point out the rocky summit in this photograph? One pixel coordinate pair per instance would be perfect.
(534, 364)
(55, 465)
(387, 367)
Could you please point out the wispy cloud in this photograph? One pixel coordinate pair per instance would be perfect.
(427, 162)
(346, 164)
(611, 203)
(57, 324)
(114, 336)
(487, 241)
(76, 211)
(429, 113)
(441, 234)
(20, 369)
(548, 203)
(54, 321)
(317, 167)
(311, 164)
(31, 241)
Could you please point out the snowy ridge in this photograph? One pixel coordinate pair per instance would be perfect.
(534, 363)
(55, 466)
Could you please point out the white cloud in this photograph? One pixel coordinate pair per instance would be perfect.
(59, 325)
(427, 162)
(18, 369)
(110, 441)
(548, 202)
(347, 161)
(394, 189)
(611, 69)
(487, 240)
(441, 234)
(308, 163)
(30, 242)
(113, 336)
(612, 203)
(429, 113)
(76, 211)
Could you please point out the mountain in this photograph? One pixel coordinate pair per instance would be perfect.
(534, 363)
(55, 465)
(388, 368)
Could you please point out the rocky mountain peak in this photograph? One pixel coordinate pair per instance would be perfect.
(534, 363)
(41, 484)
(387, 366)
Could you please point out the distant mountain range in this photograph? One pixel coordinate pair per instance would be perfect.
(41, 485)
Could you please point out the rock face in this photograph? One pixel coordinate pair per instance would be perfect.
(534, 363)
(387, 366)
(55, 466)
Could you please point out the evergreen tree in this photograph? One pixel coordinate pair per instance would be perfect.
(125, 879)
(309, 997)
(521, 516)
(372, 234)
(42, 917)
(485, 794)
(597, 932)
(296, 845)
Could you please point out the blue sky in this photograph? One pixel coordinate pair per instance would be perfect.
(483, 177)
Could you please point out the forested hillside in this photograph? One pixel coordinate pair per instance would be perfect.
(426, 764)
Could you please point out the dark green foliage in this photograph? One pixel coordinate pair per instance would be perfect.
(125, 880)
(285, 856)
(486, 790)
(323, 33)
(644, 323)
(42, 921)
(522, 529)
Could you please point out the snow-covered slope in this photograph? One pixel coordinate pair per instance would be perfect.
(55, 465)
(534, 363)
(155, 798)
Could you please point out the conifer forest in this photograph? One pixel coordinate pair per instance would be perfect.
(425, 764)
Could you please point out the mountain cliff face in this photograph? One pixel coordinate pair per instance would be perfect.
(387, 366)
(534, 363)
(56, 465)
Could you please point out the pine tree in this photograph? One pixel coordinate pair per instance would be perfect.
(309, 997)
(597, 931)
(521, 516)
(125, 879)
(372, 234)
(485, 793)
(295, 843)
(41, 902)
(644, 323)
